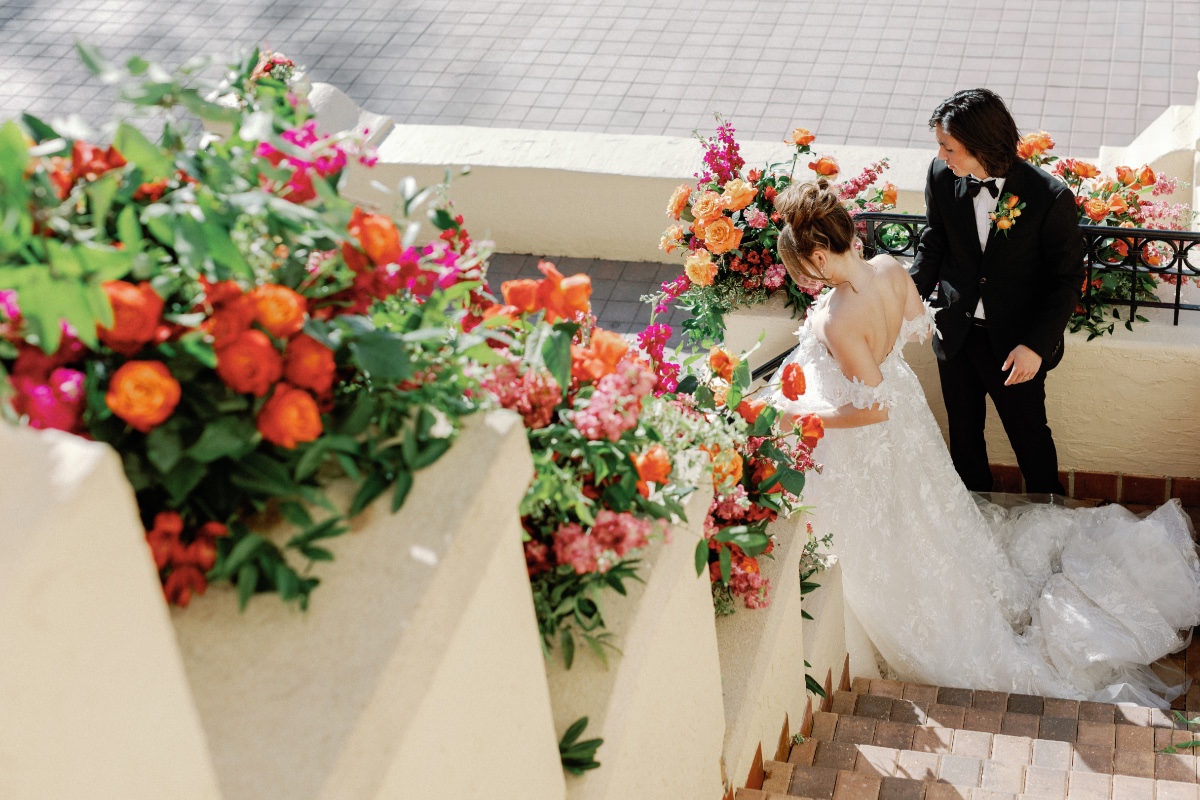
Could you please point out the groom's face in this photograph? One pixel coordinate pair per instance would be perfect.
(958, 159)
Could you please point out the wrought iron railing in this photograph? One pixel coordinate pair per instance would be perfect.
(1106, 250)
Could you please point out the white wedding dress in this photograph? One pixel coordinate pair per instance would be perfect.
(1071, 603)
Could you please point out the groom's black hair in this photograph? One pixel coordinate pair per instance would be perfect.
(979, 120)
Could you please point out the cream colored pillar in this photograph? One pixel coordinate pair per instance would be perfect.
(658, 704)
(417, 670)
(762, 660)
(93, 698)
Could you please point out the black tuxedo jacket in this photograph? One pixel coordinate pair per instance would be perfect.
(1030, 280)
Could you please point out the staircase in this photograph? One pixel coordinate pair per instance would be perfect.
(886, 740)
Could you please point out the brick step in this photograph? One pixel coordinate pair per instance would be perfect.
(957, 778)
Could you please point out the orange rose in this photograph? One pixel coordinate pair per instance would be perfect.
(825, 165)
(1012, 201)
(279, 310)
(600, 357)
(792, 382)
(750, 410)
(1146, 176)
(722, 363)
(1126, 175)
(708, 206)
(763, 470)
(249, 364)
(137, 311)
(678, 201)
(1082, 169)
(378, 235)
(1094, 208)
(290, 417)
(721, 235)
(143, 393)
(1117, 204)
(800, 137)
(309, 364)
(230, 320)
(889, 194)
(521, 294)
(563, 297)
(738, 194)
(699, 268)
(812, 430)
(653, 466)
(671, 239)
(1152, 256)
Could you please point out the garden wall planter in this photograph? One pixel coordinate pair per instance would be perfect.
(93, 693)
(658, 703)
(416, 671)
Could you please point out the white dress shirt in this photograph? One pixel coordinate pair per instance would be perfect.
(985, 204)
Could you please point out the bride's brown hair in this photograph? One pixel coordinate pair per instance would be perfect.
(812, 218)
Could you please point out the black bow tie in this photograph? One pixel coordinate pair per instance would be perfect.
(974, 185)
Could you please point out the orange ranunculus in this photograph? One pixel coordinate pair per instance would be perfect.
(708, 206)
(889, 194)
(563, 297)
(738, 194)
(1126, 175)
(601, 356)
(378, 235)
(763, 469)
(1146, 176)
(143, 393)
(722, 362)
(1117, 204)
(249, 364)
(653, 466)
(699, 268)
(1095, 209)
(721, 235)
(1004, 223)
(230, 319)
(279, 310)
(751, 409)
(137, 311)
(671, 239)
(290, 417)
(309, 364)
(792, 382)
(521, 294)
(678, 201)
(90, 162)
(800, 137)
(812, 429)
(183, 583)
(825, 165)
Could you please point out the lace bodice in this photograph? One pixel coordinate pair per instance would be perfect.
(1041, 600)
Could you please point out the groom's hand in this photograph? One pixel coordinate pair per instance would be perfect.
(1023, 363)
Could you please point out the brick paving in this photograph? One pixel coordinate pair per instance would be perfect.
(1089, 71)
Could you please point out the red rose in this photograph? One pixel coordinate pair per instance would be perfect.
(792, 382)
(249, 364)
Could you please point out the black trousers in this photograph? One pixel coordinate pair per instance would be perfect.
(975, 372)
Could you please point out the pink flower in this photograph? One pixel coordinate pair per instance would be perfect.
(574, 547)
(616, 402)
(620, 532)
(1164, 185)
(850, 189)
(8, 304)
(534, 395)
(752, 587)
(722, 158)
(774, 277)
(537, 557)
(757, 218)
(57, 404)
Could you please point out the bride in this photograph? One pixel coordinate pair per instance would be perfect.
(951, 591)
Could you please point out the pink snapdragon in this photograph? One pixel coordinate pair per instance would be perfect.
(672, 290)
(722, 157)
(1164, 185)
(757, 218)
(578, 549)
(322, 156)
(847, 190)
(621, 532)
(774, 277)
(616, 402)
(534, 394)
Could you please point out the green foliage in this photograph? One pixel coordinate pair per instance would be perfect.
(578, 757)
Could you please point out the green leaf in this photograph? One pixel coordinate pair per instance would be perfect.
(164, 448)
(811, 684)
(41, 132)
(765, 422)
(701, 556)
(101, 193)
(14, 155)
(371, 488)
(741, 377)
(752, 543)
(442, 220)
(726, 560)
(568, 647)
(430, 453)
(360, 416)
(242, 552)
(792, 480)
(482, 354)
(556, 354)
(247, 582)
(230, 436)
(224, 251)
(687, 385)
(97, 64)
(182, 479)
(733, 398)
(704, 397)
(404, 482)
(129, 230)
(382, 354)
(137, 149)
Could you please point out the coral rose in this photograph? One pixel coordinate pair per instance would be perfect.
(738, 194)
(563, 297)
(249, 364)
(812, 430)
(889, 194)
(708, 206)
(521, 294)
(678, 201)
(1146, 176)
(290, 417)
(601, 356)
(653, 466)
(230, 320)
(699, 268)
(378, 235)
(1126, 175)
(1117, 204)
(792, 382)
(800, 137)
(137, 311)
(143, 394)
(722, 362)
(1082, 169)
(721, 235)
(309, 364)
(671, 238)
(750, 410)
(1095, 209)
(825, 165)
(1004, 223)
(279, 310)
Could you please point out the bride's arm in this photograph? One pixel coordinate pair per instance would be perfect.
(854, 357)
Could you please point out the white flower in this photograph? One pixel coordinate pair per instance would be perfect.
(442, 427)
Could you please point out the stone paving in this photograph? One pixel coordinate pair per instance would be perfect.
(1089, 71)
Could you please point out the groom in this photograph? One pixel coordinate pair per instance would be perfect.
(1006, 285)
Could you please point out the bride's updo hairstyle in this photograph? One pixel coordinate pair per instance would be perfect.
(812, 218)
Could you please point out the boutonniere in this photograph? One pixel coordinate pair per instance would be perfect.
(1006, 213)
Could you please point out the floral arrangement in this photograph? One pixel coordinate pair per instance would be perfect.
(727, 229)
(236, 330)
(758, 462)
(1122, 200)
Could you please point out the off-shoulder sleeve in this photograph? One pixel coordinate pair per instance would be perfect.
(920, 327)
(844, 391)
